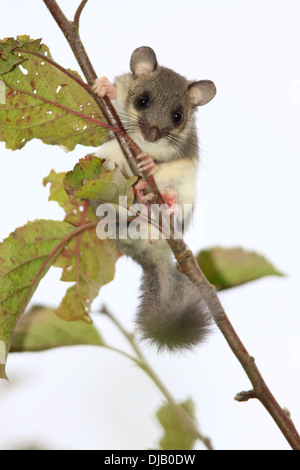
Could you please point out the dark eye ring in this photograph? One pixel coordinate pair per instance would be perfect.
(177, 117)
(142, 101)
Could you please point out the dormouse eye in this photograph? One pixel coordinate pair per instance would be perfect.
(142, 101)
(177, 117)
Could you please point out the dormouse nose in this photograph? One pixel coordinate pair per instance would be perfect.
(151, 134)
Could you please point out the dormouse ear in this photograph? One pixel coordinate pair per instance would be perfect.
(143, 61)
(201, 92)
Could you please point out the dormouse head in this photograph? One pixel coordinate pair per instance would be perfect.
(160, 102)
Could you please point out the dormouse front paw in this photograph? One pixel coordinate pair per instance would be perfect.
(146, 164)
(103, 87)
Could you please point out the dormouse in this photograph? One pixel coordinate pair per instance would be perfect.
(157, 108)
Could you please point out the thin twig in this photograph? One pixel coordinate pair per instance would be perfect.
(78, 13)
(186, 261)
(123, 353)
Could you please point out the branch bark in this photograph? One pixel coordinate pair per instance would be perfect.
(187, 264)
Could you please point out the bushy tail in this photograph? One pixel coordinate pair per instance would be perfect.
(171, 313)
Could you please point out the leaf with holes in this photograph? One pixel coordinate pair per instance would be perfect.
(231, 267)
(44, 101)
(25, 257)
(40, 329)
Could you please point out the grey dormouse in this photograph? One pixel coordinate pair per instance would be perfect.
(157, 108)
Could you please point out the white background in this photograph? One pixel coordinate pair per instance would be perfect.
(89, 398)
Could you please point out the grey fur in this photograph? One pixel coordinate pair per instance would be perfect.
(168, 92)
(171, 313)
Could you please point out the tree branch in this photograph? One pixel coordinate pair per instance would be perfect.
(187, 264)
(78, 13)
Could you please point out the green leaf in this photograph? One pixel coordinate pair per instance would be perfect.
(89, 180)
(177, 435)
(8, 59)
(109, 187)
(57, 191)
(88, 168)
(25, 257)
(41, 100)
(40, 329)
(226, 268)
(87, 261)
